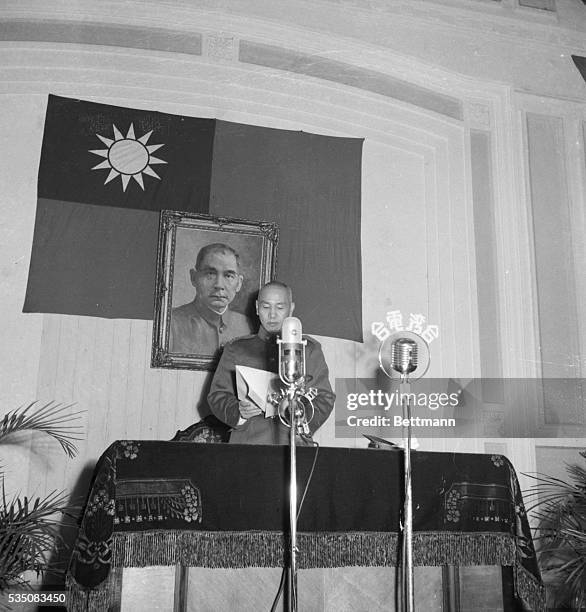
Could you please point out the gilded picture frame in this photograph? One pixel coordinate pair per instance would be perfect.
(237, 256)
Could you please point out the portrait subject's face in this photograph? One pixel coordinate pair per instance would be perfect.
(217, 281)
(273, 307)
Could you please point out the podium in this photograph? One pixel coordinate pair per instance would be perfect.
(200, 511)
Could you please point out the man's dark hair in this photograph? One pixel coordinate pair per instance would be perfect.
(215, 247)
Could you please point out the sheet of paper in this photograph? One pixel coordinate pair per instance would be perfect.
(255, 386)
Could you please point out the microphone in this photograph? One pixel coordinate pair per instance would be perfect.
(403, 353)
(292, 373)
(404, 356)
(291, 351)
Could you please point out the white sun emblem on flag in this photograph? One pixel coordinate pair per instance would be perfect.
(128, 157)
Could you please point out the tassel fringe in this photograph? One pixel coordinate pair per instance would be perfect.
(320, 550)
(230, 549)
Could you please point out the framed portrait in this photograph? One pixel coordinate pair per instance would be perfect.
(209, 272)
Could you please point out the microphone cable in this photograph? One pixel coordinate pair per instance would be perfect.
(309, 478)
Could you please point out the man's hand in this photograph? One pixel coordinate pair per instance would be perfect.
(248, 409)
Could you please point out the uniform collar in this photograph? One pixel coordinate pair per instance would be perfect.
(264, 335)
(211, 317)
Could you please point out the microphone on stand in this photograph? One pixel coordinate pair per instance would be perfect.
(403, 353)
(291, 351)
(400, 361)
(292, 373)
(404, 356)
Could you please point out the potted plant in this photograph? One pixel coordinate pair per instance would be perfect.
(29, 528)
(560, 509)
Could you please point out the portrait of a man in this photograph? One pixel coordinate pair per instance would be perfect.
(206, 323)
(209, 272)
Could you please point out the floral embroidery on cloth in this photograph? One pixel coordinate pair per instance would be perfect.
(155, 500)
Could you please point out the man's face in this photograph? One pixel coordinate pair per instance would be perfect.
(217, 281)
(273, 307)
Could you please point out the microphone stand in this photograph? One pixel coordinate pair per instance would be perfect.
(404, 349)
(296, 417)
(408, 593)
(295, 386)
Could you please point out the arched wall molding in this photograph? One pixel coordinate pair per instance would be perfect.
(201, 31)
(390, 36)
(487, 20)
(225, 47)
(159, 78)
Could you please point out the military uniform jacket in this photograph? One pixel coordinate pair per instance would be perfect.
(261, 351)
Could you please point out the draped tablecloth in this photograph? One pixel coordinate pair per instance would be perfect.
(226, 506)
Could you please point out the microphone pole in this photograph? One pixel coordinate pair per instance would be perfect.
(408, 586)
(292, 374)
(404, 361)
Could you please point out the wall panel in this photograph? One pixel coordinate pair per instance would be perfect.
(554, 264)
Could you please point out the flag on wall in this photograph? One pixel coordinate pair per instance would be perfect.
(580, 63)
(106, 172)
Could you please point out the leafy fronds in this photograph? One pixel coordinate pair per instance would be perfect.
(29, 532)
(30, 529)
(560, 509)
(52, 419)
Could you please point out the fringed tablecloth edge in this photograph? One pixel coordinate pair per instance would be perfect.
(234, 549)
(530, 589)
(96, 599)
(240, 549)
